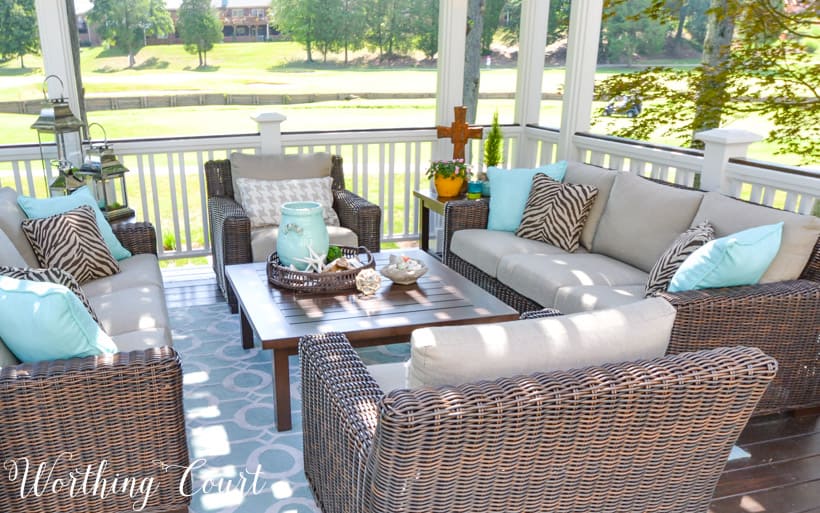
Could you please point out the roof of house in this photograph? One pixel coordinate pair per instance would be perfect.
(83, 6)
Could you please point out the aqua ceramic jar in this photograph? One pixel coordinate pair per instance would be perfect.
(302, 227)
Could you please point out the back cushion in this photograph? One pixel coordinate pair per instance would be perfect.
(462, 354)
(11, 219)
(279, 167)
(9, 255)
(729, 215)
(642, 218)
(599, 178)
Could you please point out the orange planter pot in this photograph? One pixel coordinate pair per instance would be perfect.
(449, 187)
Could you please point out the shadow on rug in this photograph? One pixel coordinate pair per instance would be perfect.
(240, 462)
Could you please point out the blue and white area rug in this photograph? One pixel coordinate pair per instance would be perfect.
(241, 463)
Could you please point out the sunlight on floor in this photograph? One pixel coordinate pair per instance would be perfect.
(192, 378)
(751, 505)
(209, 441)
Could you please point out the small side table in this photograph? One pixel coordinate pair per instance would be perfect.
(429, 200)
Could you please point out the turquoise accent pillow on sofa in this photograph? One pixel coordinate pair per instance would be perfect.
(45, 321)
(737, 259)
(38, 208)
(511, 188)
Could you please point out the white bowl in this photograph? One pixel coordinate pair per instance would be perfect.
(402, 270)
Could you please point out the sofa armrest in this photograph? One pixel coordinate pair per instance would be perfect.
(340, 407)
(120, 410)
(463, 215)
(779, 318)
(361, 216)
(137, 237)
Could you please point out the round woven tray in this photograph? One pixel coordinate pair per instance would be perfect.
(287, 278)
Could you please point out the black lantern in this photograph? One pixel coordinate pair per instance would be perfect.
(56, 118)
(105, 177)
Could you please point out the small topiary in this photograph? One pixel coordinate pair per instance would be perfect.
(492, 147)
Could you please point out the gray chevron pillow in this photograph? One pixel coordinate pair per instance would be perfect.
(72, 242)
(664, 269)
(53, 275)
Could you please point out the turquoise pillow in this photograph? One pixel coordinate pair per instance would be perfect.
(38, 208)
(511, 188)
(42, 321)
(738, 259)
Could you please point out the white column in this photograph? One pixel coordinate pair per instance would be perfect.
(270, 131)
(722, 144)
(452, 28)
(582, 55)
(530, 76)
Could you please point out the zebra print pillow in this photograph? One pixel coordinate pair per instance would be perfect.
(567, 214)
(542, 191)
(72, 242)
(53, 275)
(664, 269)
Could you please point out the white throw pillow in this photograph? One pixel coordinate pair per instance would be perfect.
(263, 199)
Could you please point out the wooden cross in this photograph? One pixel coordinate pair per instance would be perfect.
(459, 132)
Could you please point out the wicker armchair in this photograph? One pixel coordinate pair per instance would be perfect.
(230, 228)
(782, 319)
(637, 436)
(123, 411)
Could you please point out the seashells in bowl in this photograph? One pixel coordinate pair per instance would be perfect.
(403, 269)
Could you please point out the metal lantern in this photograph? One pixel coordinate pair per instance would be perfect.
(56, 118)
(105, 177)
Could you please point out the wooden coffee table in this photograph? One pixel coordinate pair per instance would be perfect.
(280, 317)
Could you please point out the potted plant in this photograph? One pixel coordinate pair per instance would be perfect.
(449, 176)
(492, 151)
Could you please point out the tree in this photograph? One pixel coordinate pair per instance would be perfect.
(492, 146)
(626, 32)
(126, 23)
(19, 35)
(352, 23)
(425, 26)
(472, 57)
(492, 18)
(199, 28)
(297, 19)
(755, 62)
(557, 25)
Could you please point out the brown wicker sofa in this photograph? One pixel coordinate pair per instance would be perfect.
(781, 318)
(637, 436)
(230, 227)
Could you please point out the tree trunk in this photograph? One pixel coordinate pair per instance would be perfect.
(677, 43)
(132, 59)
(309, 52)
(346, 45)
(472, 56)
(712, 94)
(22, 66)
(205, 59)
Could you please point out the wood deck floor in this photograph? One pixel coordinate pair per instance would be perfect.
(781, 473)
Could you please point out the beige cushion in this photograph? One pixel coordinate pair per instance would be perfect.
(140, 340)
(539, 277)
(9, 255)
(800, 232)
(485, 248)
(131, 309)
(141, 269)
(642, 218)
(390, 376)
(463, 354)
(263, 199)
(585, 298)
(11, 219)
(278, 167)
(600, 178)
(263, 240)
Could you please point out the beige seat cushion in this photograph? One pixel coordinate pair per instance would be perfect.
(140, 340)
(9, 255)
(642, 218)
(11, 218)
(263, 240)
(390, 376)
(586, 298)
(485, 248)
(463, 354)
(131, 309)
(729, 215)
(539, 277)
(141, 269)
(278, 167)
(600, 178)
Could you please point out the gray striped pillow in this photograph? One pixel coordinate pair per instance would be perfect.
(72, 242)
(53, 275)
(565, 219)
(664, 269)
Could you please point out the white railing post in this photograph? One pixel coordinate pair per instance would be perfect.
(722, 144)
(534, 17)
(270, 131)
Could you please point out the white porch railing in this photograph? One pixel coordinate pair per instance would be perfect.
(167, 184)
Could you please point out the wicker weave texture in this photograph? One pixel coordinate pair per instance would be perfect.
(123, 409)
(137, 237)
(638, 436)
(313, 282)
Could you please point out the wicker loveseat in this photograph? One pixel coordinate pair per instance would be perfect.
(230, 227)
(637, 436)
(782, 318)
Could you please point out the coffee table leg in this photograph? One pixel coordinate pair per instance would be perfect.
(281, 390)
(247, 332)
(424, 236)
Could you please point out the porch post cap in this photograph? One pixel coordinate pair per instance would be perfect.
(268, 117)
(728, 136)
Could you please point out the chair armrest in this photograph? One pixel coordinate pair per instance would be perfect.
(339, 413)
(137, 237)
(779, 318)
(230, 230)
(361, 216)
(123, 410)
(540, 314)
(463, 215)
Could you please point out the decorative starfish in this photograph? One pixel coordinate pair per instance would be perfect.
(315, 262)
